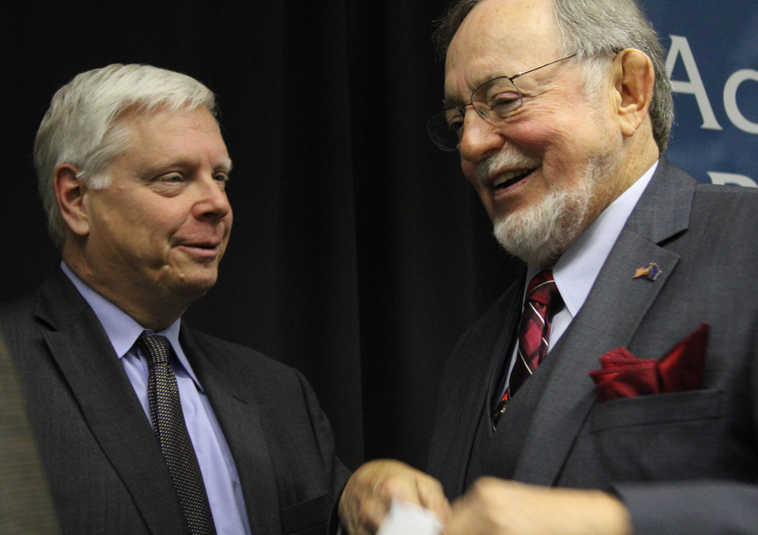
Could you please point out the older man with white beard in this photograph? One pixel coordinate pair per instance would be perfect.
(613, 387)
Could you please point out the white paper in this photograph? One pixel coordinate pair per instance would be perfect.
(406, 518)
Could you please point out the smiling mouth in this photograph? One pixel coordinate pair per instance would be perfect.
(206, 246)
(511, 177)
(204, 252)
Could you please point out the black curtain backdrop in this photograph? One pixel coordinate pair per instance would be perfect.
(359, 254)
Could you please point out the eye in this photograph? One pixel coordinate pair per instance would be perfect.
(169, 178)
(454, 119)
(168, 184)
(222, 178)
(503, 103)
(501, 97)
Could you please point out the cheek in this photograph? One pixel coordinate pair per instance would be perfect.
(167, 217)
(469, 171)
(150, 233)
(551, 139)
(229, 220)
(530, 134)
(542, 128)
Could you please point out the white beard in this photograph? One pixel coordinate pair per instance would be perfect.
(540, 234)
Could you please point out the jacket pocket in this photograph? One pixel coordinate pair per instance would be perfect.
(660, 437)
(308, 517)
(657, 409)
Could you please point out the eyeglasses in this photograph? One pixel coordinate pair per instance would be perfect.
(494, 101)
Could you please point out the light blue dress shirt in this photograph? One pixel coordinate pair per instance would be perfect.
(220, 477)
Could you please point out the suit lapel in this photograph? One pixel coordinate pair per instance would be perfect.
(239, 417)
(568, 392)
(97, 380)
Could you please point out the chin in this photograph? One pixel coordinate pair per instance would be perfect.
(195, 285)
(540, 234)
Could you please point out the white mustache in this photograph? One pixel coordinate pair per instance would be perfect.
(497, 163)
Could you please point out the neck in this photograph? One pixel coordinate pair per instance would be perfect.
(638, 160)
(150, 307)
(636, 157)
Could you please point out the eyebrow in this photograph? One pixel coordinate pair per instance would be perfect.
(455, 102)
(225, 165)
(156, 168)
(450, 103)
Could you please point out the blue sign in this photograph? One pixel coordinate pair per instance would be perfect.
(712, 61)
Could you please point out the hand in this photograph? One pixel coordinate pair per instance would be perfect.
(498, 507)
(370, 490)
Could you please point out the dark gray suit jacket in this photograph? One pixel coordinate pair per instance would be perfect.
(682, 462)
(103, 464)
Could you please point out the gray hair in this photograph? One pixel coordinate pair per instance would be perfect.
(81, 127)
(593, 29)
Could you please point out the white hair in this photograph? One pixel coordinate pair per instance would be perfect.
(82, 126)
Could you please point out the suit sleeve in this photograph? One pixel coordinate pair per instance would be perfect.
(329, 466)
(707, 507)
(322, 430)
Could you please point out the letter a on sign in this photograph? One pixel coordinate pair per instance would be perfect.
(680, 47)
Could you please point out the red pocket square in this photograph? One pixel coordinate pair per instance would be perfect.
(624, 376)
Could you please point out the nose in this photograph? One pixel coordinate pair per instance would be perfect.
(212, 203)
(479, 137)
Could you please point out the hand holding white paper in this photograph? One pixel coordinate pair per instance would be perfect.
(406, 518)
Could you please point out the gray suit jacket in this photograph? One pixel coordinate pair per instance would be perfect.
(103, 464)
(25, 504)
(682, 462)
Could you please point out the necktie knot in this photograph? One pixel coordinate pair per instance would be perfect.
(156, 346)
(542, 290)
(542, 301)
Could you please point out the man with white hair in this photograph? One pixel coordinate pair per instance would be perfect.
(613, 387)
(145, 425)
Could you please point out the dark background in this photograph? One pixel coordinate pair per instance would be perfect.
(359, 254)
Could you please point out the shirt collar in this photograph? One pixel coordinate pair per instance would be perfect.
(576, 270)
(122, 330)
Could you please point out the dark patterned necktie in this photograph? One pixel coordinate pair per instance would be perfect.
(169, 428)
(540, 305)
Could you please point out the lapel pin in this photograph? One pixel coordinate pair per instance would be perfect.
(650, 272)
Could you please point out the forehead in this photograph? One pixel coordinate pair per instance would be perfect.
(500, 37)
(175, 132)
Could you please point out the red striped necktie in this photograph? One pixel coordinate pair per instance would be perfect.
(540, 305)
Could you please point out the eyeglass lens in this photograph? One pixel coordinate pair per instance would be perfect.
(493, 101)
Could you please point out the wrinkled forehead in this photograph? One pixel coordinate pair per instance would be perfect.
(501, 37)
(167, 134)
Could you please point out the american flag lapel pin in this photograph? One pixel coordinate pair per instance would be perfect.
(650, 272)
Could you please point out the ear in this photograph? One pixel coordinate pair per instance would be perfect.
(634, 81)
(70, 193)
